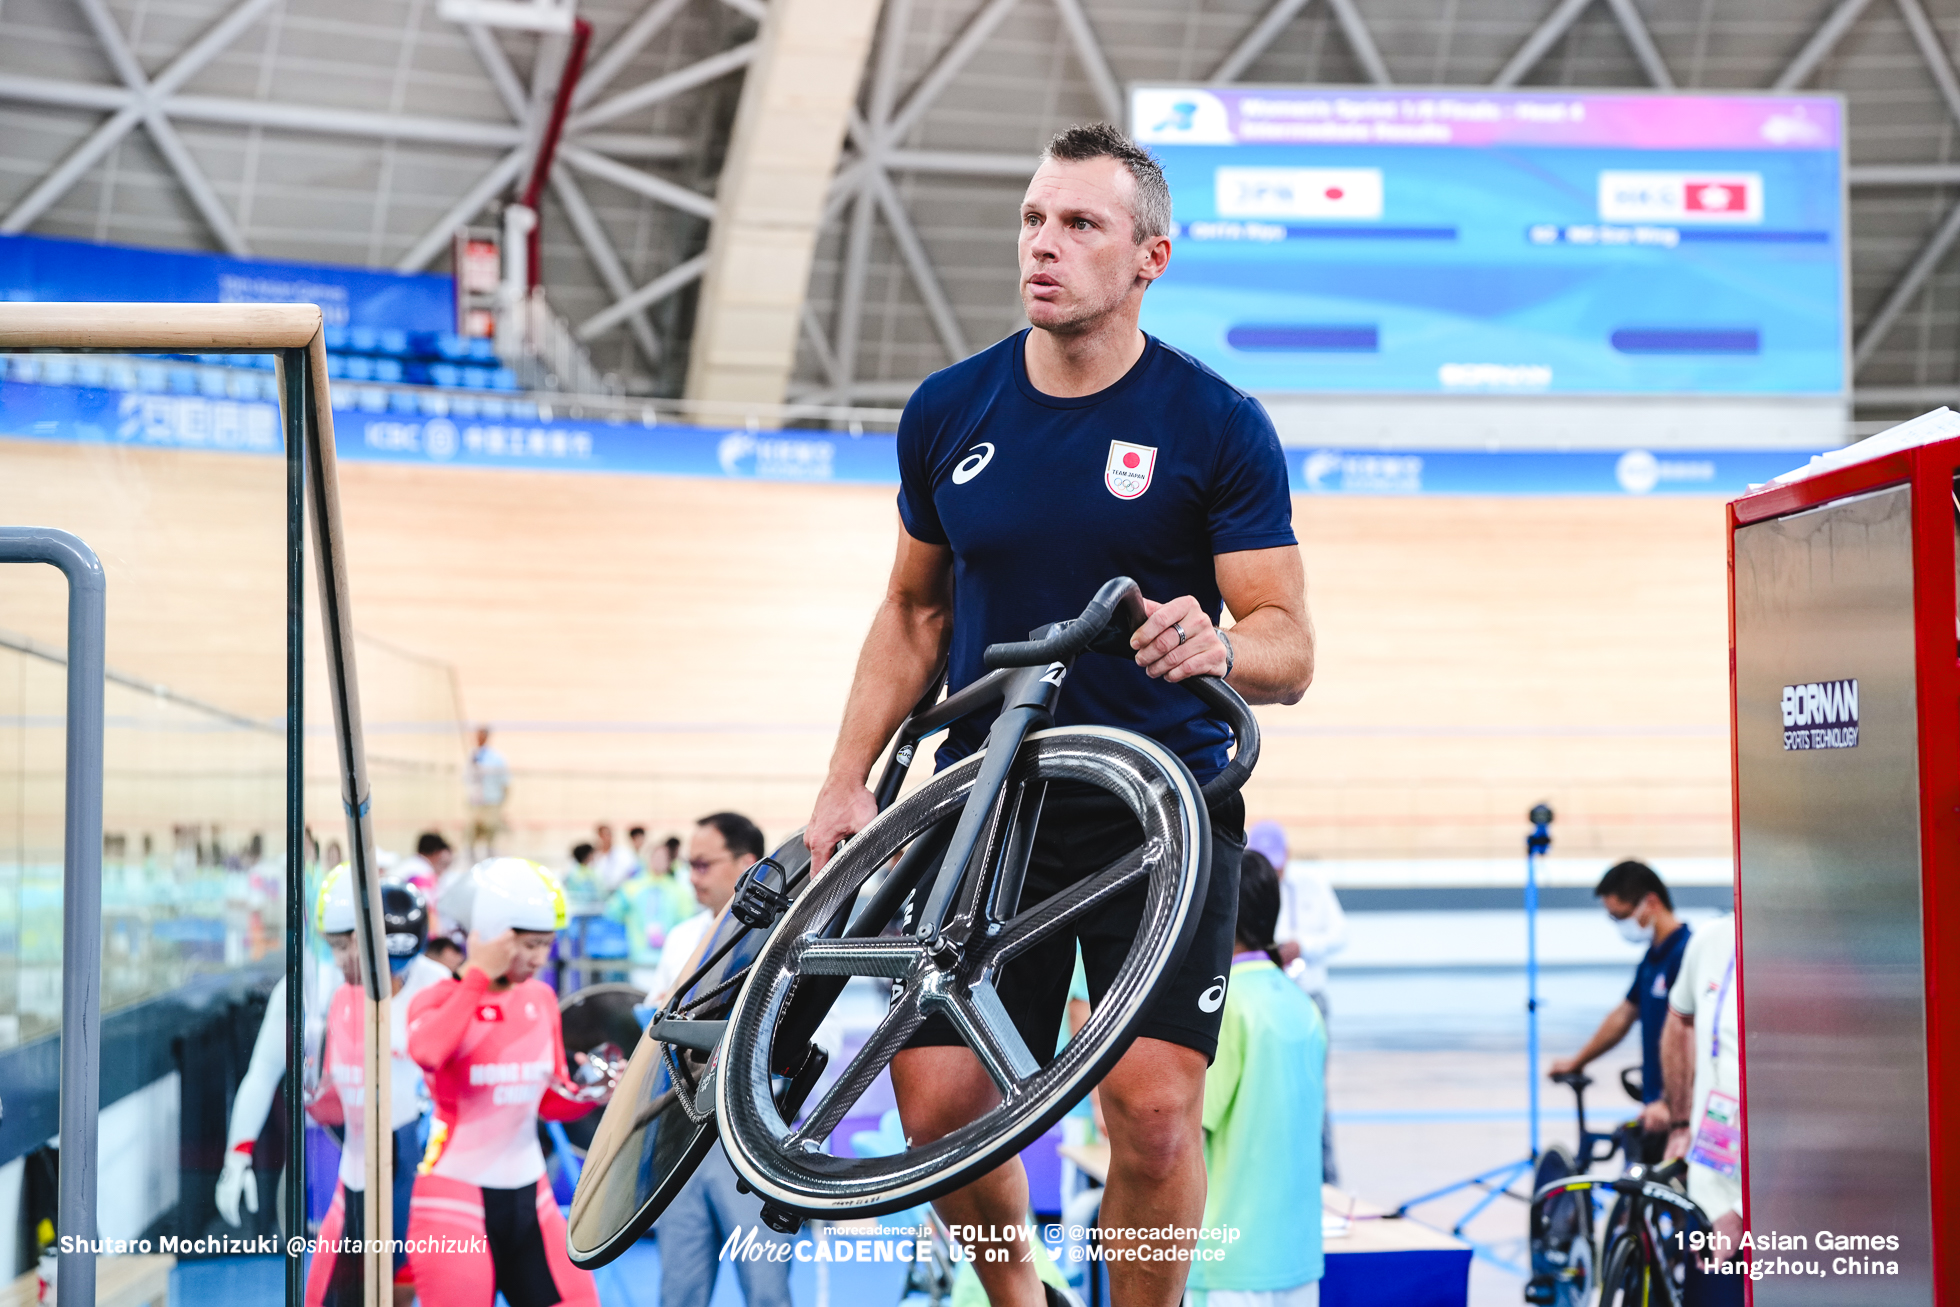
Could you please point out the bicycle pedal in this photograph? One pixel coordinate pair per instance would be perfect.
(757, 904)
(780, 1219)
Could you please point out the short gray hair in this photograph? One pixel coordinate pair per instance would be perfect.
(1150, 204)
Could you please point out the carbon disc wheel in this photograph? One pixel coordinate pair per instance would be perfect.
(591, 1019)
(656, 1130)
(786, 1161)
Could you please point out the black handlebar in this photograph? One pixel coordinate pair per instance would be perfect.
(1118, 597)
(1225, 701)
(1105, 626)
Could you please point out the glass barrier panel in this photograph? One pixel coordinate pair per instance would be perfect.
(193, 1136)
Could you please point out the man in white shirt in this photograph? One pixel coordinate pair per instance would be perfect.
(1701, 1062)
(488, 781)
(724, 845)
(1312, 928)
(613, 862)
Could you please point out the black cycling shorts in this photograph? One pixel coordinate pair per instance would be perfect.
(1083, 829)
(517, 1252)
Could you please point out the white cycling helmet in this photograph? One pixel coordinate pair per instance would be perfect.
(500, 894)
(334, 911)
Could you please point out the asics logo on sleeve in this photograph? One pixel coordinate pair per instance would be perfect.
(1214, 998)
(974, 463)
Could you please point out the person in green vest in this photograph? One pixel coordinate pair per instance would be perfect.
(648, 904)
(1263, 1099)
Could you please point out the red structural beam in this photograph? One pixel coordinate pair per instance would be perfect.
(554, 127)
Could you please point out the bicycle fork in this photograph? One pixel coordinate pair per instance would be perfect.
(1027, 705)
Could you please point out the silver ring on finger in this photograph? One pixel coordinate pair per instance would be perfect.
(1182, 635)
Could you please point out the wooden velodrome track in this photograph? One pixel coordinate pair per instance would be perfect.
(655, 648)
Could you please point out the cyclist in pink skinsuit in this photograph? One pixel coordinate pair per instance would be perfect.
(481, 1223)
(334, 1279)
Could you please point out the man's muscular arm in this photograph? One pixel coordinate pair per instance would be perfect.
(1272, 638)
(908, 637)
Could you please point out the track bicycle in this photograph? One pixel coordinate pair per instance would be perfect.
(1644, 1262)
(656, 1132)
(1564, 1245)
(1571, 1246)
(940, 873)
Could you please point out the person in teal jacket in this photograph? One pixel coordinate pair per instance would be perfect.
(649, 904)
(1263, 1097)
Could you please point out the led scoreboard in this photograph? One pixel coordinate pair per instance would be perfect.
(1385, 242)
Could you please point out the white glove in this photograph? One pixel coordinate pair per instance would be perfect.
(236, 1180)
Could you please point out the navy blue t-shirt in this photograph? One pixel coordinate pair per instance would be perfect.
(1651, 981)
(1043, 499)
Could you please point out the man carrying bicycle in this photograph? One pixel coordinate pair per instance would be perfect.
(1069, 453)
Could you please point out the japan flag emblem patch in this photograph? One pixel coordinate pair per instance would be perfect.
(1127, 473)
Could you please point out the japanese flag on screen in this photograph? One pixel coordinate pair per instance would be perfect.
(1681, 196)
(1298, 192)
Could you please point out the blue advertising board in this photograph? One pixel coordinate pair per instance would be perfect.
(523, 441)
(38, 268)
(87, 415)
(1391, 242)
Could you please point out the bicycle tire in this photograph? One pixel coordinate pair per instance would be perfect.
(1623, 1275)
(786, 1163)
(1561, 1231)
(648, 1143)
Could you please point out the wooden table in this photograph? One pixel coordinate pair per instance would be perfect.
(139, 1280)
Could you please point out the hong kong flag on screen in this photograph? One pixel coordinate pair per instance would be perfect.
(1727, 197)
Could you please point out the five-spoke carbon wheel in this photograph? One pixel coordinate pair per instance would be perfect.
(787, 1162)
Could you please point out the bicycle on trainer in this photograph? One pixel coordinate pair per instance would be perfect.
(1573, 1253)
(734, 1055)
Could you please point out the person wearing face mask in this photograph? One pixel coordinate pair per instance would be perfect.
(1639, 904)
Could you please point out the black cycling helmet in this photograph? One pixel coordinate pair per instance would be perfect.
(405, 916)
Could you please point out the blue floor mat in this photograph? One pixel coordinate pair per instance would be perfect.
(243, 1280)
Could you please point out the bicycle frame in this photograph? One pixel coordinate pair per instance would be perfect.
(941, 867)
(1027, 679)
(1594, 1145)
